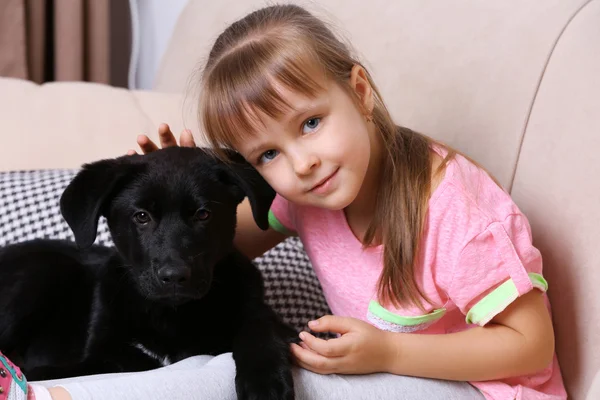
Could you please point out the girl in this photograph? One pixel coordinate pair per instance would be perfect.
(425, 261)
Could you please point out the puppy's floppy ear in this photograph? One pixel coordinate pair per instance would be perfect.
(85, 198)
(246, 181)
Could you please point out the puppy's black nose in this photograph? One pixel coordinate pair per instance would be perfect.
(174, 275)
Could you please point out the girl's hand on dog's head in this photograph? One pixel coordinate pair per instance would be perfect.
(167, 139)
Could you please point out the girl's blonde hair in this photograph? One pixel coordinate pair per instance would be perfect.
(286, 45)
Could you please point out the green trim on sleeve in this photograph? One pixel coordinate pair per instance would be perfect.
(496, 301)
(278, 226)
(376, 309)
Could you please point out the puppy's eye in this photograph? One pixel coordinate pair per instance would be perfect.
(201, 214)
(142, 217)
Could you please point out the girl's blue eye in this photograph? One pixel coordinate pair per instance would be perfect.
(311, 124)
(268, 155)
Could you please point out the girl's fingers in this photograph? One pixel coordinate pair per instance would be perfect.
(146, 144)
(305, 347)
(328, 348)
(166, 137)
(312, 361)
(131, 152)
(334, 324)
(186, 139)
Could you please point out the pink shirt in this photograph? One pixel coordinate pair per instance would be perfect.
(477, 257)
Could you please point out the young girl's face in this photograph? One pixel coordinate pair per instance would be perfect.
(318, 153)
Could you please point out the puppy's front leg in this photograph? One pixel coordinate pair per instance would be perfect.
(262, 356)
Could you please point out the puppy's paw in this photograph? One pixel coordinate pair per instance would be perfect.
(261, 384)
(289, 335)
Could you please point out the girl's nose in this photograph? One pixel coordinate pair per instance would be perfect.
(304, 164)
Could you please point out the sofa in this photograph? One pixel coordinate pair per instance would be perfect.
(513, 84)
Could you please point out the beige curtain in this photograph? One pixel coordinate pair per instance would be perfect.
(55, 40)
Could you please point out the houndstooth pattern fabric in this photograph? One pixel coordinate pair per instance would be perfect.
(29, 209)
(291, 286)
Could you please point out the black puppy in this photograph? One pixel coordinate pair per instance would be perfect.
(174, 286)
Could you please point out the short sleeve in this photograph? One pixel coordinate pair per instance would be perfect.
(281, 216)
(495, 268)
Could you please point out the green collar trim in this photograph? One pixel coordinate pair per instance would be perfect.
(278, 226)
(499, 299)
(376, 309)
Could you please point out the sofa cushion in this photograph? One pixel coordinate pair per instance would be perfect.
(64, 124)
(29, 209)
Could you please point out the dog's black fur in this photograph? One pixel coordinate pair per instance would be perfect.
(173, 284)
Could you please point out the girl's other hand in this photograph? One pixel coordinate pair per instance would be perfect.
(360, 349)
(167, 139)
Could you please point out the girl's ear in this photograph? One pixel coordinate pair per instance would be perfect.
(359, 82)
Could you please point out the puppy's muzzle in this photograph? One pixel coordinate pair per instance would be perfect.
(174, 276)
(176, 284)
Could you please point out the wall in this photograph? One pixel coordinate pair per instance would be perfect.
(152, 24)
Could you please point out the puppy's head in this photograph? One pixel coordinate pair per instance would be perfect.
(171, 213)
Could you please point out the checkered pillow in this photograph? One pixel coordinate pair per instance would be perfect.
(29, 209)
